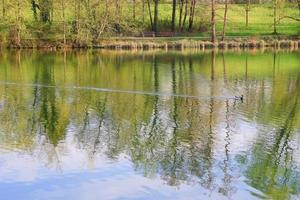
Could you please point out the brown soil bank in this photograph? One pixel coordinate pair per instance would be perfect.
(161, 43)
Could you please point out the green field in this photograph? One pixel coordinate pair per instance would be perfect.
(260, 19)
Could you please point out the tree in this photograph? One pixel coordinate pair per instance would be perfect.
(298, 1)
(133, 9)
(63, 7)
(150, 13)
(34, 8)
(183, 9)
(173, 15)
(143, 10)
(3, 9)
(155, 23)
(45, 7)
(77, 15)
(275, 16)
(247, 9)
(225, 20)
(278, 6)
(154, 19)
(213, 21)
(192, 14)
(17, 22)
(118, 15)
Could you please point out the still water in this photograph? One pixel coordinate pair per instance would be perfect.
(149, 125)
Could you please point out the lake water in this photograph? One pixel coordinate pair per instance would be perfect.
(149, 125)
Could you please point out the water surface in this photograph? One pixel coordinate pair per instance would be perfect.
(149, 125)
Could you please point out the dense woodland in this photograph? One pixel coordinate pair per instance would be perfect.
(89, 20)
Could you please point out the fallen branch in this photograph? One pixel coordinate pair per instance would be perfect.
(289, 17)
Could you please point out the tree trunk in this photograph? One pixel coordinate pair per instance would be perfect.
(63, 6)
(133, 9)
(118, 10)
(76, 15)
(185, 15)
(275, 17)
(150, 14)
(155, 24)
(181, 4)
(143, 10)
(225, 20)
(298, 1)
(213, 22)
(106, 6)
(34, 9)
(79, 17)
(247, 9)
(3, 9)
(51, 11)
(18, 23)
(173, 15)
(192, 14)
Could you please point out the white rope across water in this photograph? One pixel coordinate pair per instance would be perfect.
(118, 91)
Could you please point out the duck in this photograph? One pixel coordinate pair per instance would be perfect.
(240, 98)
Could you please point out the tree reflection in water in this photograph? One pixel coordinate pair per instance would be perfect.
(179, 139)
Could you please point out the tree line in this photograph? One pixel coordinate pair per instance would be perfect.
(90, 19)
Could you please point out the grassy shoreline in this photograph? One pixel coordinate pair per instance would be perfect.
(138, 43)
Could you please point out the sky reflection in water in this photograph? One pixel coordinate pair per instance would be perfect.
(105, 125)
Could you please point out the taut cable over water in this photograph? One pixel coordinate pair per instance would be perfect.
(241, 98)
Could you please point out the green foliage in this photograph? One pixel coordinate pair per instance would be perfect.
(89, 20)
(43, 30)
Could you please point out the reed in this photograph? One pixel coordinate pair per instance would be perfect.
(132, 44)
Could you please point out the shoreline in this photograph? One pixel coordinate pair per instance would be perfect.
(170, 43)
